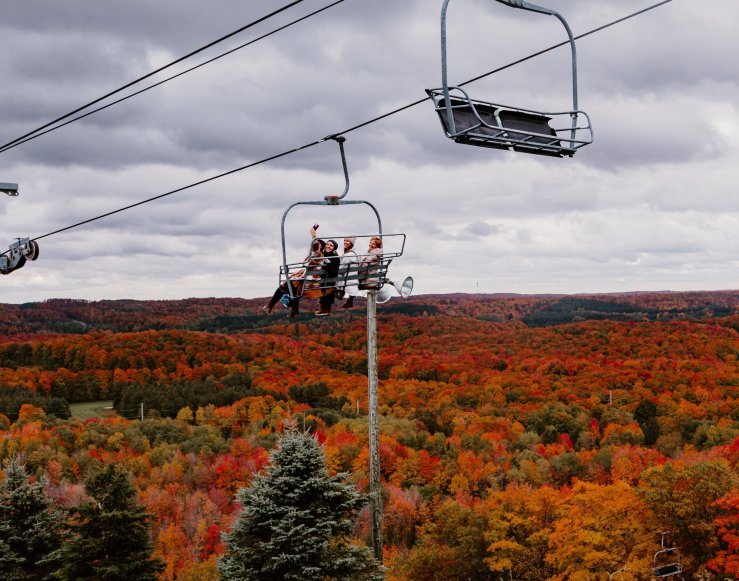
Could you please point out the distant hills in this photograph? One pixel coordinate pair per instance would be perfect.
(64, 316)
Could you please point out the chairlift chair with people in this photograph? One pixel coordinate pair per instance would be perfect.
(485, 124)
(307, 279)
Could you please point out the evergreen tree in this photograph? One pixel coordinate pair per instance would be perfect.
(109, 538)
(646, 415)
(296, 522)
(29, 526)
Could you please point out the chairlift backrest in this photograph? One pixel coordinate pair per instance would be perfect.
(486, 124)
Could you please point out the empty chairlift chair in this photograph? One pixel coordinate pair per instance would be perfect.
(484, 124)
(303, 279)
(667, 561)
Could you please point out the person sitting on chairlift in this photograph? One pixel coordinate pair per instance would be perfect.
(368, 266)
(348, 288)
(299, 278)
(330, 263)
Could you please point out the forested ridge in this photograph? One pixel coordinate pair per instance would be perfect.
(64, 316)
(522, 437)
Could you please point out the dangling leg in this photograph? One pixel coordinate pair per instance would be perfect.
(351, 293)
(294, 308)
(325, 302)
(274, 300)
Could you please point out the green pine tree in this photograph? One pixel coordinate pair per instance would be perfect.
(109, 536)
(29, 526)
(296, 522)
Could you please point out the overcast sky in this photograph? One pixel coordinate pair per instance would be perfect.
(650, 205)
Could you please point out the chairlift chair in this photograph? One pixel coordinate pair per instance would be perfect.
(300, 279)
(17, 254)
(666, 561)
(485, 124)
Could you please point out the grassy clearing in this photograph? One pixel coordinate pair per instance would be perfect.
(93, 409)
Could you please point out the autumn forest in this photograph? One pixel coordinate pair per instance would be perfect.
(521, 437)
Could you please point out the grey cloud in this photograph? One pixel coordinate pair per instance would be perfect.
(480, 228)
(651, 203)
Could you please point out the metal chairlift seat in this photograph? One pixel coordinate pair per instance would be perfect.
(310, 280)
(17, 254)
(665, 570)
(485, 124)
(501, 127)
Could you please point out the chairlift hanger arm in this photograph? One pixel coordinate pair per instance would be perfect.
(522, 4)
(340, 140)
(540, 9)
(322, 203)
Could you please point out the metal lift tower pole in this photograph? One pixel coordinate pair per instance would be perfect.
(374, 445)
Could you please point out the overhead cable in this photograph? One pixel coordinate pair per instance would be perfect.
(183, 188)
(345, 131)
(34, 135)
(154, 72)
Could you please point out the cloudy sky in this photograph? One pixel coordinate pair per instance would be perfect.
(650, 205)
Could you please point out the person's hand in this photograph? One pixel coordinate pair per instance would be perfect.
(313, 233)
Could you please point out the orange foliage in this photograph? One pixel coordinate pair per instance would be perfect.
(543, 433)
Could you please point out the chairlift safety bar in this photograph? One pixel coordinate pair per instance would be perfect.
(302, 278)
